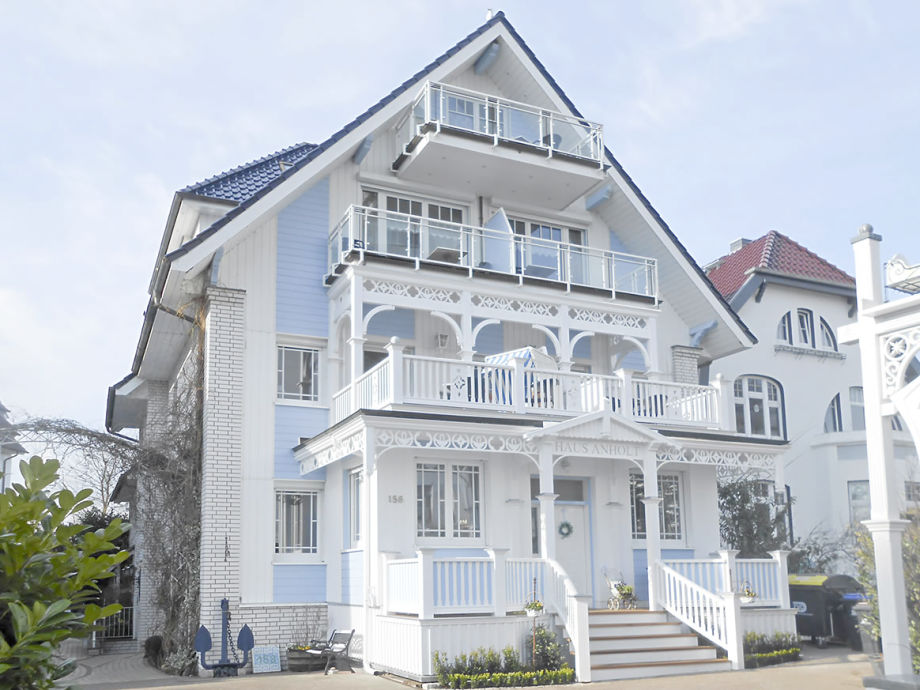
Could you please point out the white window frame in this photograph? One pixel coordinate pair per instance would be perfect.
(857, 407)
(834, 415)
(801, 328)
(805, 327)
(315, 488)
(449, 500)
(851, 485)
(827, 336)
(635, 504)
(912, 491)
(743, 395)
(319, 345)
(354, 480)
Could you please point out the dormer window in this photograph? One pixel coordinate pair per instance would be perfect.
(797, 329)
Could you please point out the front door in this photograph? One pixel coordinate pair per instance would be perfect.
(573, 543)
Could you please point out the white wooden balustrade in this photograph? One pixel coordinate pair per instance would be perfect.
(419, 380)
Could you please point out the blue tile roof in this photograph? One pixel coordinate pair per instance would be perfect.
(242, 183)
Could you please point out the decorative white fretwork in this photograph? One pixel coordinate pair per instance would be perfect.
(721, 457)
(340, 447)
(898, 350)
(455, 440)
(520, 306)
(609, 318)
(392, 287)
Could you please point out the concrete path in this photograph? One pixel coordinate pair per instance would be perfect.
(820, 670)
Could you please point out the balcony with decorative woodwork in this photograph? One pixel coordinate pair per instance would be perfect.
(466, 140)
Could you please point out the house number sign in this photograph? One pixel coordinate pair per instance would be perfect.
(394, 498)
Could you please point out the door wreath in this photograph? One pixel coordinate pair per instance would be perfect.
(565, 529)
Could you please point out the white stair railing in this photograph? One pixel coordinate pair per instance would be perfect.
(715, 616)
(563, 599)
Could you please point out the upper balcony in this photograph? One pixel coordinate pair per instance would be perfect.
(422, 240)
(472, 141)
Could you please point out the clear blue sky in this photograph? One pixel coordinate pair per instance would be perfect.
(734, 118)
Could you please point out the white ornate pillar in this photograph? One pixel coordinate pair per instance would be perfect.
(547, 499)
(651, 501)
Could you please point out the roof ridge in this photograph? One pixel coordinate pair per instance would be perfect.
(813, 254)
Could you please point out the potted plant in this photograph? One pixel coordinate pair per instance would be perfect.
(748, 595)
(622, 595)
(533, 608)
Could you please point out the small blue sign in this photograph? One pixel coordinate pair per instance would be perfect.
(266, 658)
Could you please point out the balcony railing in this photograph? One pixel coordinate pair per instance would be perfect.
(504, 121)
(387, 233)
(416, 380)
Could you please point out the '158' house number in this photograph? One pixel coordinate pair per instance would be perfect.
(394, 499)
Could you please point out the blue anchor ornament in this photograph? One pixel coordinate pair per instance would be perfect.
(224, 667)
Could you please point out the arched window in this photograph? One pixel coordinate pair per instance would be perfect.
(833, 421)
(828, 340)
(784, 329)
(759, 407)
(797, 328)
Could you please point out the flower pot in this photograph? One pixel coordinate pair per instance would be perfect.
(533, 613)
(747, 600)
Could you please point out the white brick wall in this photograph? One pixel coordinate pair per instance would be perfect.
(222, 419)
(685, 363)
(283, 624)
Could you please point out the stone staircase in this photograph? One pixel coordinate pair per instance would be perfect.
(643, 644)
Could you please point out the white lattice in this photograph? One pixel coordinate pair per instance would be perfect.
(431, 294)
(341, 447)
(898, 351)
(609, 318)
(721, 457)
(458, 440)
(511, 304)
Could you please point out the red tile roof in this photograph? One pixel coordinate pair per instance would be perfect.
(776, 253)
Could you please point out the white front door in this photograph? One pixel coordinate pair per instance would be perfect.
(573, 552)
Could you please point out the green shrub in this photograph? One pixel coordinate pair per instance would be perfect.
(516, 679)
(779, 656)
(549, 654)
(486, 668)
(756, 643)
(48, 573)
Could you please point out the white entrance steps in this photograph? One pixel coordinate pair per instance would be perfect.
(643, 644)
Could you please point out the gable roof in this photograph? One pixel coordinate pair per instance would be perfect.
(245, 181)
(778, 254)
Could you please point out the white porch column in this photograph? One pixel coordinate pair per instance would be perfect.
(395, 352)
(726, 402)
(626, 397)
(652, 526)
(885, 525)
(374, 579)
(356, 337)
(728, 557)
(782, 576)
(498, 556)
(547, 499)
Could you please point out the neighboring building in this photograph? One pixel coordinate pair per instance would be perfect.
(799, 384)
(450, 356)
(9, 447)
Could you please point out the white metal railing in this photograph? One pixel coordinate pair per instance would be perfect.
(119, 625)
(715, 616)
(416, 379)
(502, 119)
(387, 233)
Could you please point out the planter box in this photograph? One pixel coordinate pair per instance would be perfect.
(301, 660)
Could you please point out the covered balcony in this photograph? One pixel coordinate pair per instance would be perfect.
(490, 250)
(457, 137)
(486, 387)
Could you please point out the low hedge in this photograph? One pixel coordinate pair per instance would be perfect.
(780, 656)
(561, 676)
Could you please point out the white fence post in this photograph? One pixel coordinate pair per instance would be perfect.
(581, 637)
(426, 583)
(518, 393)
(499, 562)
(627, 405)
(395, 352)
(725, 405)
(385, 557)
(733, 631)
(728, 570)
(781, 558)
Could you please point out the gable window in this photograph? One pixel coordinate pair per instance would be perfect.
(857, 409)
(353, 487)
(784, 329)
(828, 341)
(669, 510)
(833, 420)
(806, 327)
(797, 328)
(448, 508)
(759, 407)
(298, 373)
(296, 522)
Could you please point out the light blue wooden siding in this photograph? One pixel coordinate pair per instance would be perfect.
(299, 583)
(398, 322)
(291, 424)
(353, 577)
(303, 236)
(491, 339)
(640, 567)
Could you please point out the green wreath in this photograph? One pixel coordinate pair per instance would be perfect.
(565, 529)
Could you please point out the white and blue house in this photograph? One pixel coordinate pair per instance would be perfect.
(451, 364)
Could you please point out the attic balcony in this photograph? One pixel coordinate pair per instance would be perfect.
(364, 232)
(471, 141)
(404, 381)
